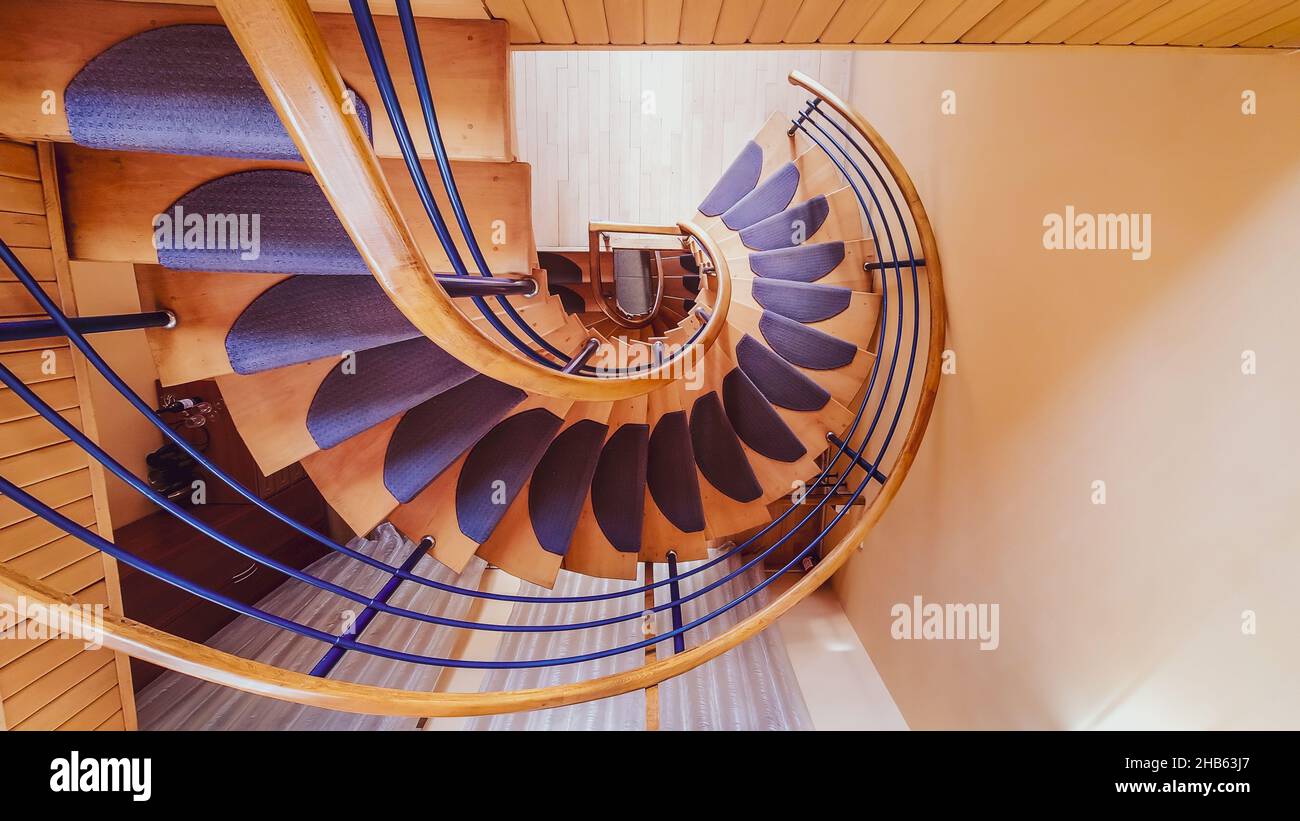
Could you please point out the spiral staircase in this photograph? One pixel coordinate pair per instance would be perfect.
(465, 391)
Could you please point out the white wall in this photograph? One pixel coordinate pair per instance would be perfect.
(596, 154)
(1088, 365)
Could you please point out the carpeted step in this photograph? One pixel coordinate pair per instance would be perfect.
(824, 263)
(825, 217)
(770, 148)
(465, 503)
(674, 512)
(183, 89)
(607, 539)
(165, 63)
(840, 366)
(534, 536)
(434, 433)
(807, 176)
(288, 413)
(111, 200)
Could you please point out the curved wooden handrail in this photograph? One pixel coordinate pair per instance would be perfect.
(613, 312)
(886, 154)
(223, 668)
(284, 47)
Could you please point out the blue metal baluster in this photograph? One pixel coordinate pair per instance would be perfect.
(674, 593)
(387, 92)
(335, 654)
(421, 77)
(42, 328)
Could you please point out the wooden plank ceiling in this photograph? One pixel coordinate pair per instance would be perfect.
(1215, 23)
(807, 23)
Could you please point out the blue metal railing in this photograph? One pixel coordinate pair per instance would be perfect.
(374, 604)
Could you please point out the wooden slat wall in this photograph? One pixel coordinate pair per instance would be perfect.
(55, 683)
(1217, 23)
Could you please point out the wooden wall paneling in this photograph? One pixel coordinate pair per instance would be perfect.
(103, 517)
(886, 21)
(1286, 35)
(21, 196)
(38, 261)
(1037, 20)
(59, 394)
(24, 230)
(1190, 22)
(33, 433)
(34, 532)
(18, 160)
(43, 463)
(54, 492)
(1254, 18)
(923, 20)
(641, 136)
(999, 20)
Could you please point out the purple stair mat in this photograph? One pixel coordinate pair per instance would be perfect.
(783, 229)
(772, 196)
(178, 90)
(433, 434)
(670, 473)
(381, 383)
(498, 466)
(800, 301)
(618, 487)
(718, 452)
(779, 381)
(804, 346)
(561, 483)
(305, 318)
(756, 422)
(737, 181)
(296, 228)
(802, 263)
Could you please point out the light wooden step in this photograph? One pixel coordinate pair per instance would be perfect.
(110, 199)
(49, 41)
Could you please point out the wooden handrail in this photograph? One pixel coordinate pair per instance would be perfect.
(223, 668)
(284, 47)
(595, 230)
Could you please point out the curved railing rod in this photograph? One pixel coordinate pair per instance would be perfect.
(388, 94)
(256, 677)
(612, 310)
(117, 469)
(283, 45)
(383, 79)
(420, 74)
(66, 327)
